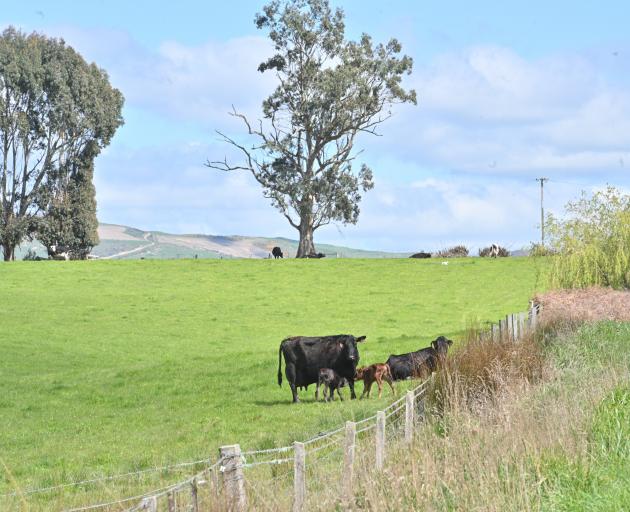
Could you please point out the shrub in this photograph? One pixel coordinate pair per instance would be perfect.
(457, 251)
(592, 242)
(30, 255)
(538, 250)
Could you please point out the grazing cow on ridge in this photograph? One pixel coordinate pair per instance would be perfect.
(420, 363)
(277, 252)
(304, 356)
(330, 381)
(378, 373)
(494, 250)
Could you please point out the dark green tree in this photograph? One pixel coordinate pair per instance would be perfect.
(330, 90)
(69, 224)
(53, 105)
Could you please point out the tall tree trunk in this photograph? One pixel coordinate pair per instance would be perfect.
(306, 247)
(8, 250)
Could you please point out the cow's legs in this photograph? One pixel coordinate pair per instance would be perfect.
(339, 393)
(365, 389)
(294, 391)
(289, 371)
(380, 387)
(391, 385)
(352, 393)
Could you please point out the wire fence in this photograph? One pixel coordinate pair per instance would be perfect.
(279, 478)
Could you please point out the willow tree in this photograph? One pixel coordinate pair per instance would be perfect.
(53, 108)
(329, 91)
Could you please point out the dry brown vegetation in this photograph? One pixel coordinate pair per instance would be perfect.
(585, 305)
(481, 369)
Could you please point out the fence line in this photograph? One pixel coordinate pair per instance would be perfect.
(231, 492)
(105, 478)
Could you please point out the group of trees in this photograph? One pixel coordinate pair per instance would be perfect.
(56, 114)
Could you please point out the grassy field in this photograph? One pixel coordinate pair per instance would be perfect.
(110, 367)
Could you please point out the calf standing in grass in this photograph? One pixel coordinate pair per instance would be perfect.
(331, 381)
(378, 373)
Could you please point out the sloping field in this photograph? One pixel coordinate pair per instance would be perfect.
(114, 366)
(158, 245)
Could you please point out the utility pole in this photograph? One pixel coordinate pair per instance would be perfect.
(542, 211)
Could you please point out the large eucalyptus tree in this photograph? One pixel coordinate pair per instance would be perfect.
(55, 111)
(329, 91)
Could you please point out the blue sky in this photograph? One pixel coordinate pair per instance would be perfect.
(508, 91)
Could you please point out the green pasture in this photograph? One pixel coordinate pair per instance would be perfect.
(114, 366)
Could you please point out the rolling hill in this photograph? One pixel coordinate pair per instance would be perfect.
(123, 242)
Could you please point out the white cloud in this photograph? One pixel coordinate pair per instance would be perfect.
(486, 110)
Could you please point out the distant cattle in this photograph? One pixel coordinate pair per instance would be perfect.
(58, 252)
(378, 373)
(304, 356)
(331, 381)
(420, 363)
(316, 255)
(277, 252)
(421, 254)
(494, 250)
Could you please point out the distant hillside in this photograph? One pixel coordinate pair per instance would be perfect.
(123, 242)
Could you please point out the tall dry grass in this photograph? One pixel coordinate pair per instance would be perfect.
(499, 413)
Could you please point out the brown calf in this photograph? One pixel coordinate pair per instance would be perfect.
(378, 372)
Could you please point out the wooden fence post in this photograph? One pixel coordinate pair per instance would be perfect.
(170, 497)
(194, 503)
(299, 476)
(348, 461)
(533, 317)
(515, 333)
(149, 504)
(233, 479)
(521, 324)
(509, 327)
(380, 440)
(501, 330)
(409, 417)
(496, 333)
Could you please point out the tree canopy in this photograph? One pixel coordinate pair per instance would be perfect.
(592, 241)
(329, 91)
(54, 109)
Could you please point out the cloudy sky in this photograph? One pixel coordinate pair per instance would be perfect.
(506, 94)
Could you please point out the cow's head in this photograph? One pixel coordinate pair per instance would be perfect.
(348, 348)
(441, 344)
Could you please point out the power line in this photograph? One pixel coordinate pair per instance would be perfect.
(542, 210)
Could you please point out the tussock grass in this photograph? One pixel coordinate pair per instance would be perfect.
(480, 370)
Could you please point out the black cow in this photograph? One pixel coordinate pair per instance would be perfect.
(420, 363)
(304, 356)
(421, 254)
(277, 252)
(331, 381)
(316, 255)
